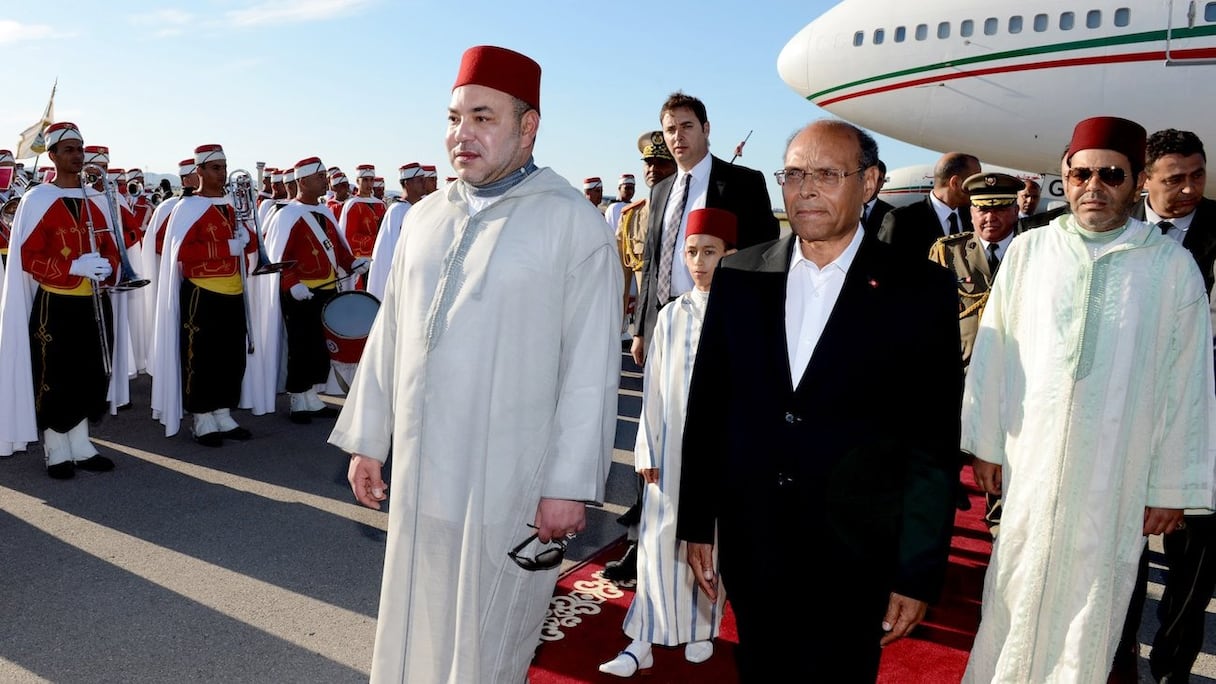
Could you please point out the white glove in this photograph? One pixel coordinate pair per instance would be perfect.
(300, 292)
(242, 235)
(360, 265)
(92, 266)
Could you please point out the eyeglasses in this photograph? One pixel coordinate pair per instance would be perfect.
(824, 178)
(1111, 176)
(551, 557)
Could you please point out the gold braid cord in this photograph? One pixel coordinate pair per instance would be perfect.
(971, 302)
(631, 236)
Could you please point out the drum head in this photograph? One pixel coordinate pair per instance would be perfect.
(350, 315)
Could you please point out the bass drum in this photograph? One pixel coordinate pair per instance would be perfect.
(347, 319)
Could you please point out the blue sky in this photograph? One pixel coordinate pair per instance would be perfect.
(368, 81)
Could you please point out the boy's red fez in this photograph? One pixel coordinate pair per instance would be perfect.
(719, 223)
(501, 69)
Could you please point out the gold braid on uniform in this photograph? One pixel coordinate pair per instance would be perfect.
(969, 301)
(632, 226)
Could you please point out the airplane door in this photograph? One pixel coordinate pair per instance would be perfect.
(1187, 22)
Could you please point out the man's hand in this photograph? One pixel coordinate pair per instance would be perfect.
(650, 475)
(1162, 520)
(903, 614)
(701, 560)
(559, 518)
(365, 480)
(987, 476)
(638, 350)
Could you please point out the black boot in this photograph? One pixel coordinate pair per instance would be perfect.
(625, 570)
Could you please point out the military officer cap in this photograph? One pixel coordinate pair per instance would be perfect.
(652, 146)
(993, 189)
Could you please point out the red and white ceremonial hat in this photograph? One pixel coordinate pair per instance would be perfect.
(276, 176)
(132, 174)
(96, 154)
(627, 179)
(365, 171)
(206, 153)
(115, 174)
(411, 170)
(186, 167)
(289, 175)
(430, 171)
(61, 130)
(338, 179)
(377, 182)
(308, 167)
(592, 183)
(6, 157)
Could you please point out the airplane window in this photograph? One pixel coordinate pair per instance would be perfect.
(943, 30)
(1123, 16)
(1015, 24)
(1067, 20)
(1093, 19)
(922, 31)
(990, 26)
(859, 39)
(878, 36)
(1209, 11)
(966, 27)
(1040, 23)
(900, 34)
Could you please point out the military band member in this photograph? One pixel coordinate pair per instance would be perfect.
(8, 191)
(54, 357)
(361, 214)
(154, 246)
(378, 188)
(413, 183)
(624, 195)
(201, 342)
(279, 199)
(306, 234)
(340, 185)
(432, 178)
(593, 190)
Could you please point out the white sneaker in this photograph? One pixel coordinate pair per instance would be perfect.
(698, 651)
(627, 663)
(78, 439)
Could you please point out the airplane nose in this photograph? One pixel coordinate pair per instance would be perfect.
(793, 64)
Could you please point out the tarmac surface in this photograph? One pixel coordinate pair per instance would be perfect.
(247, 563)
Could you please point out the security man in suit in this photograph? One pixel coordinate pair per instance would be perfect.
(1176, 165)
(973, 258)
(701, 180)
(875, 210)
(914, 228)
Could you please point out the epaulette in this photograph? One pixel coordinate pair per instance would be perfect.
(634, 204)
(957, 237)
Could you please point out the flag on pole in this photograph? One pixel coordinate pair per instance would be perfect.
(739, 148)
(32, 143)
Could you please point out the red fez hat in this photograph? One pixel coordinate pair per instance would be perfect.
(592, 183)
(365, 171)
(61, 130)
(719, 223)
(1110, 133)
(206, 153)
(186, 167)
(501, 69)
(309, 166)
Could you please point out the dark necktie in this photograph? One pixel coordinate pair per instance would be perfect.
(670, 235)
(952, 219)
(1165, 226)
(993, 262)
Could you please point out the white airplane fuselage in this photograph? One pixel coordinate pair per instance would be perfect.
(1008, 82)
(909, 184)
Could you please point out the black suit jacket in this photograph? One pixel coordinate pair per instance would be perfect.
(859, 460)
(1200, 238)
(1041, 219)
(913, 229)
(874, 221)
(738, 189)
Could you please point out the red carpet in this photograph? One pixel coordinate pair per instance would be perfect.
(583, 628)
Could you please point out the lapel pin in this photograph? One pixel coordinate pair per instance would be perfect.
(873, 283)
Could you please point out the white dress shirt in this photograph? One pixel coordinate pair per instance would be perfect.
(1001, 245)
(1181, 224)
(943, 211)
(810, 296)
(698, 188)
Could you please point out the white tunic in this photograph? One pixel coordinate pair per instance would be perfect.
(668, 607)
(491, 372)
(1091, 384)
(382, 251)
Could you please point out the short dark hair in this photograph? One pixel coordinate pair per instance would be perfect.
(882, 168)
(1172, 141)
(678, 99)
(519, 108)
(951, 165)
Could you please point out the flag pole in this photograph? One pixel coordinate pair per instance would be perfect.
(739, 148)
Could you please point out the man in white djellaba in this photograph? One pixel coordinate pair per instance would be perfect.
(1089, 407)
(491, 375)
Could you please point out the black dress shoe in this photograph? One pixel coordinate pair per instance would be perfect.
(625, 570)
(96, 464)
(211, 439)
(238, 433)
(62, 471)
(300, 417)
(326, 412)
(961, 501)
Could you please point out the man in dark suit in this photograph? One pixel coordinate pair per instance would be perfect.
(914, 228)
(1177, 170)
(875, 210)
(807, 427)
(702, 180)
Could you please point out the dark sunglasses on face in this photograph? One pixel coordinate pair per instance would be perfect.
(550, 557)
(1111, 176)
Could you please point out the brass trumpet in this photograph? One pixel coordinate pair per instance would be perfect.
(244, 203)
(127, 278)
(99, 312)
